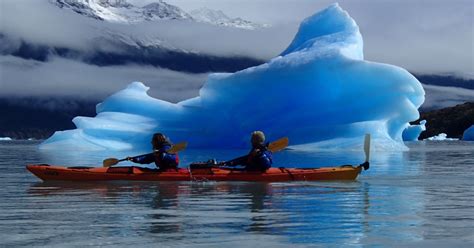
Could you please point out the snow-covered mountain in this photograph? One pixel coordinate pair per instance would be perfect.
(102, 39)
(161, 10)
(123, 12)
(217, 17)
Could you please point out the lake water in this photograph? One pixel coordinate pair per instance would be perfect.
(422, 197)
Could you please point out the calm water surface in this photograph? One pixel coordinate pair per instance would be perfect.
(423, 197)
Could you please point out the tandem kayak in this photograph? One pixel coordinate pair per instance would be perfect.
(133, 173)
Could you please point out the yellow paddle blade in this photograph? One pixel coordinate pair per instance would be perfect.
(177, 148)
(278, 145)
(109, 162)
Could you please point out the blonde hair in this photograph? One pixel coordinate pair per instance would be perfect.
(258, 137)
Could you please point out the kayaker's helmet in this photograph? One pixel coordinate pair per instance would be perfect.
(258, 138)
(158, 139)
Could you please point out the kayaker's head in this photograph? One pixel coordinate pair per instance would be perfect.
(258, 138)
(158, 140)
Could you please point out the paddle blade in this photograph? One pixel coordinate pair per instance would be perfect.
(177, 148)
(367, 147)
(110, 161)
(278, 145)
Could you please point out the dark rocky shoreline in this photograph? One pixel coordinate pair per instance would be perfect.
(452, 121)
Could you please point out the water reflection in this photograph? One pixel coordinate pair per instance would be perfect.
(258, 193)
(166, 197)
(302, 212)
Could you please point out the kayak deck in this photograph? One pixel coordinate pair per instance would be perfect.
(132, 173)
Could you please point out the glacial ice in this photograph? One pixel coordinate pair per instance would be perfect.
(469, 134)
(320, 92)
(441, 137)
(412, 132)
(5, 139)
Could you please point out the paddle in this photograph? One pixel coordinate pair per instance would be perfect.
(274, 146)
(173, 150)
(366, 151)
(177, 148)
(278, 145)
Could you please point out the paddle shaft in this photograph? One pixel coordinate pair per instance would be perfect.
(229, 163)
(173, 150)
(366, 164)
(273, 147)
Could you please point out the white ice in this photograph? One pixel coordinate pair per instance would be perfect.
(441, 137)
(320, 92)
(5, 138)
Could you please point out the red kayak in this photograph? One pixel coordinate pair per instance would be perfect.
(132, 173)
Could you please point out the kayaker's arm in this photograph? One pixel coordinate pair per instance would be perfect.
(143, 159)
(236, 161)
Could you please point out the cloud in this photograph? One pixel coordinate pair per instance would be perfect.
(63, 77)
(429, 36)
(45, 24)
(438, 97)
(421, 36)
(426, 38)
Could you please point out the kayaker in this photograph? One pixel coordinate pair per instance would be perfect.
(259, 157)
(163, 160)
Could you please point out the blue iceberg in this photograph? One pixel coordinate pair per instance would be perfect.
(320, 92)
(469, 134)
(412, 132)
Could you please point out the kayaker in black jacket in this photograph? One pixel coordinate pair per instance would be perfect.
(259, 157)
(163, 160)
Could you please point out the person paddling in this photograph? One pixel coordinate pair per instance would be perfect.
(163, 160)
(259, 157)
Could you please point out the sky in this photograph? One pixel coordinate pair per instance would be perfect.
(419, 35)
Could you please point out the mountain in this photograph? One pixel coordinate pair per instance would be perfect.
(449, 80)
(452, 121)
(161, 10)
(438, 97)
(445, 90)
(108, 43)
(128, 50)
(123, 12)
(39, 118)
(217, 17)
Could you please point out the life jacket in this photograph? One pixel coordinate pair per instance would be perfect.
(261, 160)
(164, 160)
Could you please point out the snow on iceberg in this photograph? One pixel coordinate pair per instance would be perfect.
(412, 132)
(5, 139)
(320, 92)
(469, 134)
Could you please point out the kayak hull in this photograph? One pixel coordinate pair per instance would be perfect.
(62, 173)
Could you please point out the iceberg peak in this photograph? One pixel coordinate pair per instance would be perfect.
(138, 87)
(329, 22)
